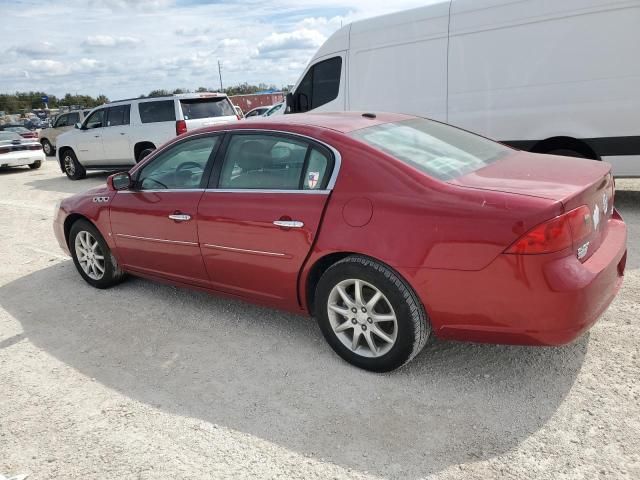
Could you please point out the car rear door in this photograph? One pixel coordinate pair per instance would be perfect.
(155, 223)
(115, 135)
(260, 217)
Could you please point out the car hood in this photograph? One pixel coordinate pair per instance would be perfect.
(547, 176)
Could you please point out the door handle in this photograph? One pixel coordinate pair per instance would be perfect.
(180, 217)
(289, 223)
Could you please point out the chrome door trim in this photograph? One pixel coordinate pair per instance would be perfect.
(337, 158)
(288, 223)
(158, 240)
(164, 190)
(244, 250)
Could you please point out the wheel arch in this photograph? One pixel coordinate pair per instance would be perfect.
(70, 220)
(567, 143)
(139, 147)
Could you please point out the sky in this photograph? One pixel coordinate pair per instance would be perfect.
(123, 48)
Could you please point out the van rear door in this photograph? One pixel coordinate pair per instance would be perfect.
(207, 110)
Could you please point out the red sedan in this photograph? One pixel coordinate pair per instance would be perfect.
(387, 228)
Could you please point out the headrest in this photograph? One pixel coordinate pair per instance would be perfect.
(252, 156)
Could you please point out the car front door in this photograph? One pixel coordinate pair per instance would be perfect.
(260, 217)
(115, 138)
(63, 124)
(89, 145)
(155, 222)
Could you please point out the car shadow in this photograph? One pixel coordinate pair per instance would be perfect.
(270, 374)
(62, 184)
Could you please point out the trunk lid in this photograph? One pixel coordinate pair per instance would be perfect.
(572, 181)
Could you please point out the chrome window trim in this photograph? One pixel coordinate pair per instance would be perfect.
(337, 158)
(266, 190)
(244, 250)
(158, 240)
(165, 190)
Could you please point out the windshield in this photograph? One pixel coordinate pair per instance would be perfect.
(206, 108)
(439, 150)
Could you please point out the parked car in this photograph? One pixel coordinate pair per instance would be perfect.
(16, 151)
(388, 228)
(532, 77)
(63, 123)
(115, 135)
(257, 112)
(274, 109)
(22, 131)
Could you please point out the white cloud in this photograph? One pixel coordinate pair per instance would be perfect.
(109, 41)
(54, 68)
(303, 39)
(34, 49)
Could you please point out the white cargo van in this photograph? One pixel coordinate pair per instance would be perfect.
(557, 77)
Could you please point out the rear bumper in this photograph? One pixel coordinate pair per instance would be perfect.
(526, 299)
(22, 158)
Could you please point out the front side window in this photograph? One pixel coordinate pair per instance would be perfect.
(62, 121)
(118, 116)
(320, 85)
(95, 120)
(180, 167)
(157, 111)
(441, 151)
(273, 162)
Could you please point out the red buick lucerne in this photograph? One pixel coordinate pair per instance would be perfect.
(387, 228)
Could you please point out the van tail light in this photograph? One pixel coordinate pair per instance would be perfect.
(181, 127)
(564, 231)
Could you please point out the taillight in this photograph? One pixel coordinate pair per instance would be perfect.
(181, 127)
(36, 146)
(4, 150)
(564, 231)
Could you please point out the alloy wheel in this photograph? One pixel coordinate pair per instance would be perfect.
(362, 318)
(90, 255)
(69, 165)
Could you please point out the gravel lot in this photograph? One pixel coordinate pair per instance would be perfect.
(150, 381)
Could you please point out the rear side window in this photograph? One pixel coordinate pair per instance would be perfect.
(118, 115)
(73, 118)
(159, 111)
(320, 85)
(273, 162)
(195, 108)
(439, 150)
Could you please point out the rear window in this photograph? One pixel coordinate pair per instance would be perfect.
(195, 108)
(159, 111)
(439, 150)
(9, 136)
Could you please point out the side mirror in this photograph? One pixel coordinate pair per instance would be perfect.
(119, 181)
(78, 125)
(145, 153)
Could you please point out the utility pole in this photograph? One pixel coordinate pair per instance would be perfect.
(220, 74)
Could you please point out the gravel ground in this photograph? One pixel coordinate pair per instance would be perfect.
(150, 381)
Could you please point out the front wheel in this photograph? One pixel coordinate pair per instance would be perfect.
(72, 167)
(92, 257)
(369, 315)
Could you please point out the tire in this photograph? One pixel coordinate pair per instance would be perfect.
(35, 165)
(105, 272)
(72, 167)
(405, 336)
(49, 151)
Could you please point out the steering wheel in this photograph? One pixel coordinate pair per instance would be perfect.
(185, 165)
(155, 181)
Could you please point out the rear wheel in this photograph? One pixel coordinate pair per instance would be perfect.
(49, 151)
(369, 315)
(35, 165)
(92, 257)
(72, 167)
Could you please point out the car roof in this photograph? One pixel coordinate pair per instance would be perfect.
(343, 122)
